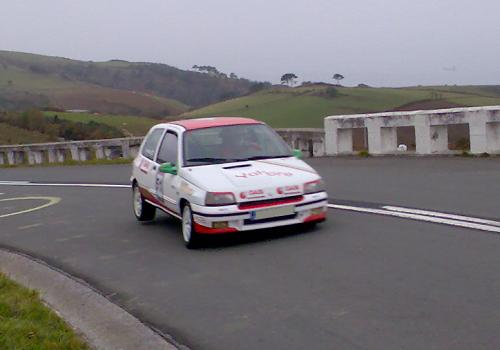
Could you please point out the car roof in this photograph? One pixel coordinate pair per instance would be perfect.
(200, 123)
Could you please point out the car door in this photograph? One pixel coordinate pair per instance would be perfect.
(167, 185)
(146, 171)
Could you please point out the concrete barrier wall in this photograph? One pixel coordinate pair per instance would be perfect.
(431, 130)
(310, 141)
(55, 152)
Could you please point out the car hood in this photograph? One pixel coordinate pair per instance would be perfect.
(256, 179)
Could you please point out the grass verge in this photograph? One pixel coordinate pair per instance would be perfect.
(26, 323)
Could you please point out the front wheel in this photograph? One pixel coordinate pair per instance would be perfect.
(189, 234)
(143, 211)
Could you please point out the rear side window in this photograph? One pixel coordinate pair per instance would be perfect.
(151, 143)
(168, 149)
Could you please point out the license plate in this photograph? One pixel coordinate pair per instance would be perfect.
(272, 212)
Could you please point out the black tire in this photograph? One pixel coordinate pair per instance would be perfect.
(190, 236)
(143, 211)
(310, 226)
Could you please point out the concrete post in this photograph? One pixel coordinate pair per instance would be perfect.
(477, 130)
(75, 153)
(108, 152)
(344, 141)
(422, 135)
(31, 156)
(493, 137)
(126, 149)
(374, 136)
(83, 154)
(318, 149)
(389, 139)
(11, 157)
(99, 152)
(38, 157)
(60, 155)
(51, 155)
(134, 151)
(439, 138)
(330, 137)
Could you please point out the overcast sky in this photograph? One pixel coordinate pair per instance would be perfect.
(377, 42)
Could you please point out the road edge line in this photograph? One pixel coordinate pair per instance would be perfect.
(103, 324)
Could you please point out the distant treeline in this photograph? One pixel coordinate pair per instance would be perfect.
(57, 128)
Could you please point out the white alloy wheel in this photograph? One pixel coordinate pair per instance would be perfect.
(143, 211)
(187, 224)
(137, 202)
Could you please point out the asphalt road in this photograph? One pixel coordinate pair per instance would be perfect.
(358, 281)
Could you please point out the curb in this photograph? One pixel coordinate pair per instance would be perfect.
(104, 325)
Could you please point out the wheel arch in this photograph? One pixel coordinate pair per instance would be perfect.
(182, 203)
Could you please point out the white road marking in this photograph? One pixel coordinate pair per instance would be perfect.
(443, 215)
(28, 226)
(27, 183)
(401, 212)
(419, 217)
(50, 201)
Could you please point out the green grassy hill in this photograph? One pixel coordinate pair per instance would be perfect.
(117, 87)
(307, 106)
(129, 125)
(11, 135)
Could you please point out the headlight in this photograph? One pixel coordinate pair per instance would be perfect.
(314, 186)
(219, 198)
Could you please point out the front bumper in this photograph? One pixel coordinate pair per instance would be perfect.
(226, 219)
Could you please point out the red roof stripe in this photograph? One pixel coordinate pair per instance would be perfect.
(190, 124)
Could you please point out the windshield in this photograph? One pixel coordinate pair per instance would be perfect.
(233, 143)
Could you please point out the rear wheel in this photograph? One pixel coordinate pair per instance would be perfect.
(189, 234)
(143, 211)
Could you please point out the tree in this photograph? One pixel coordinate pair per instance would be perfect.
(338, 77)
(233, 76)
(288, 78)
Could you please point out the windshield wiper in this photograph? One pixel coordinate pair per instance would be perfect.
(210, 159)
(267, 157)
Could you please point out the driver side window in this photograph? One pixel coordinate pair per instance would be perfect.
(168, 149)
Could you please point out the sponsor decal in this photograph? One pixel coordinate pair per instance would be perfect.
(294, 189)
(263, 173)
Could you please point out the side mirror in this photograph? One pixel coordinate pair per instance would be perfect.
(297, 153)
(168, 168)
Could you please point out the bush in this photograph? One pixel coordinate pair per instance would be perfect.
(331, 92)
(364, 153)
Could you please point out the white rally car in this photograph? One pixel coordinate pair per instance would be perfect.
(223, 174)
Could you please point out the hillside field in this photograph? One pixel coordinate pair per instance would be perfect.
(130, 125)
(115, 86)
(283, 107)
(11, 135)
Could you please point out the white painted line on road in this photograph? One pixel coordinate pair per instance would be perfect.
(50, 201)
(418, 217)
(27, 183)
(401, 212)
(442, 215)
(13, 182)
